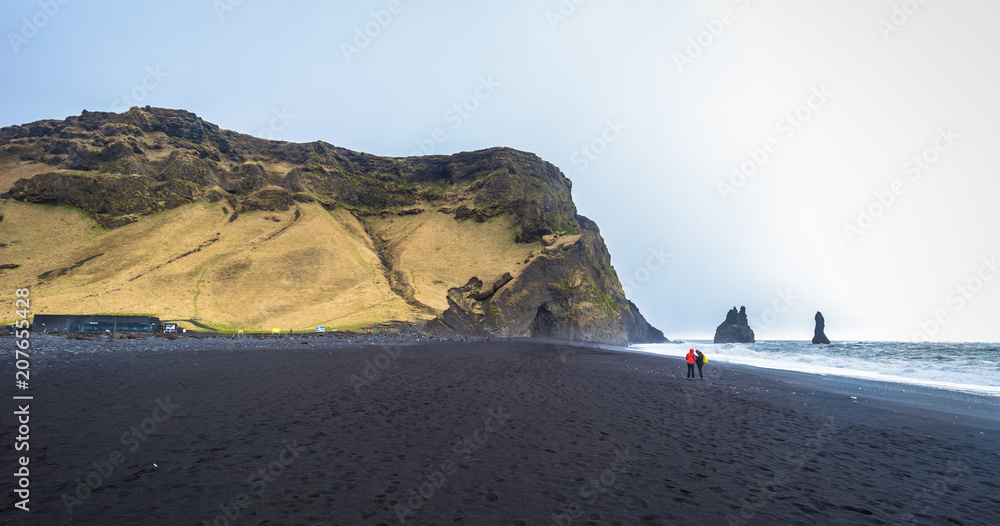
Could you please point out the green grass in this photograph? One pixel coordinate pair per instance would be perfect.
(609, 307)
(175, 168)
(316, 169)
(153, 315)
(603, 301)
(84, 216)
(178, 142)
(116, 167)
(564, 287)
(569, 226)
(435, 191)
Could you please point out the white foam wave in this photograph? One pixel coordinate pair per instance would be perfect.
(946, 375)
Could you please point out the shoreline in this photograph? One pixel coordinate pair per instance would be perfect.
(523, 432)
(934, 402)
(963, 383)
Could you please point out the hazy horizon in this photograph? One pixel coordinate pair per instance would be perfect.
(790, 157)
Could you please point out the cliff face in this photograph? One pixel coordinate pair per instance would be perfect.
(567, 291)
(735, 328)
(477, 242)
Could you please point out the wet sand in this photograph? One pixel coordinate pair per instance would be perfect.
(308, 432)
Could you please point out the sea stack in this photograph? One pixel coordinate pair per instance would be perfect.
(819, 336)
(736, 328)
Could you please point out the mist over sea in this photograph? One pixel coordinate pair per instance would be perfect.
(966, 367)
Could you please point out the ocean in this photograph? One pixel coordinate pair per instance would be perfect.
(965, 367)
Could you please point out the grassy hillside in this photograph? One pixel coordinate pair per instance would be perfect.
(436, 253)
(265, 270)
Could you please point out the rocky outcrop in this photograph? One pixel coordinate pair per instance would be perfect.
(246, 179)
(566, 292)
(270, 199)
(819, 336)
(113, 201)
(736, 328)
(637, 329)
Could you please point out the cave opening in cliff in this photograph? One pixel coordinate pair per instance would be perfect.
(545, 324)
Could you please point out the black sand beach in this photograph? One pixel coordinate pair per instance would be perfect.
(303, 431)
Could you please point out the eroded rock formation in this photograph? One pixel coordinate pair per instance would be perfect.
(819, 336)
(736, 328)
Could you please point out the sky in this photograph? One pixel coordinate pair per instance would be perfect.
(792, 156)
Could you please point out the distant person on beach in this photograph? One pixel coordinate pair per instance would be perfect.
(699, 359)
(690, 360)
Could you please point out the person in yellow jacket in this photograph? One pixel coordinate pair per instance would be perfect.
(699, 360)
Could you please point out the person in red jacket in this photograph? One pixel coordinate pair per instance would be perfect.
(690, 361)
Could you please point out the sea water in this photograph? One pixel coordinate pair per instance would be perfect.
(968, 367)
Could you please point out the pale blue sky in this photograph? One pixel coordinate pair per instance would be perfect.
(839, 96)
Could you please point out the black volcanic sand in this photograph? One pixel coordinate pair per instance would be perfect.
(518, 433)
